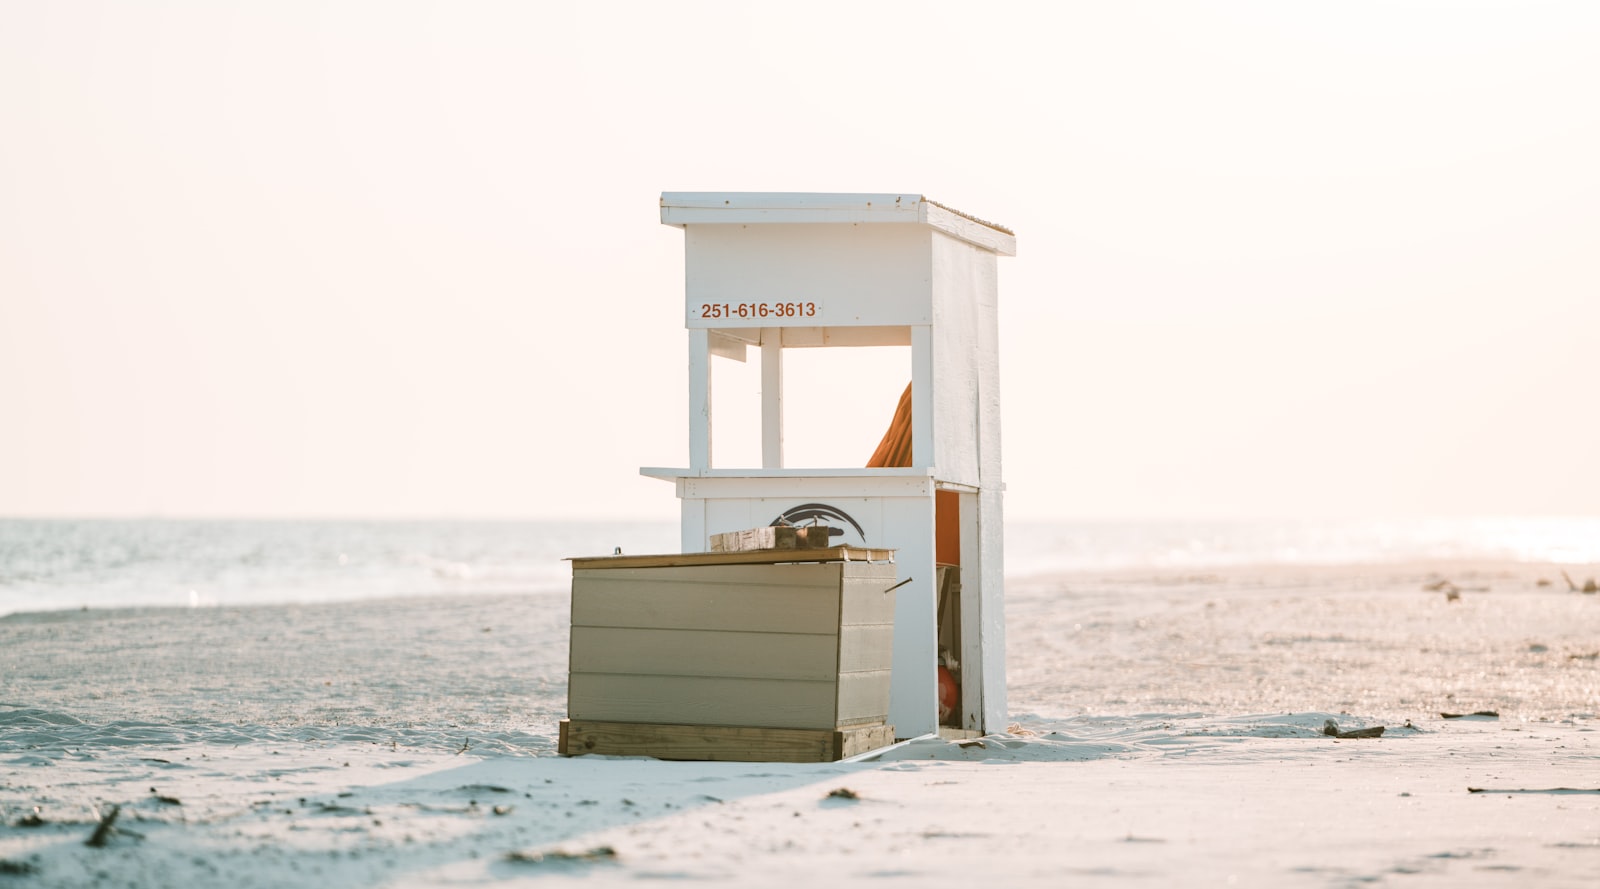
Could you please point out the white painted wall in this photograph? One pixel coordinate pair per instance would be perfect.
(858, 275)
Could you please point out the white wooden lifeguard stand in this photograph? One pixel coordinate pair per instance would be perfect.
(777, 271)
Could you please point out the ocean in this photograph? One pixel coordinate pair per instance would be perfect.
(64, 564)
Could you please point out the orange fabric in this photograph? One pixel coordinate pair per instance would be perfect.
(895, 449)
(947, 527)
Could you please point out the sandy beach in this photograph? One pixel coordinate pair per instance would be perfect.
(1169, 728)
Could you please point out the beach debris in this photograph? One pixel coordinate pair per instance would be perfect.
(1533, 790)
(465, 744)
(1486, 714)
(1585, 656)
(1452, 593)
(32, 819)
(1589, 586)
(1543, 581)
(1331, 729)
(1452, 590)
(105, 829)
(561, 856)
(9, 868)
(842, 793)
(483, 788)
(504, 810)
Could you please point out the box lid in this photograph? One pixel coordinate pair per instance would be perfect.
(754, 557)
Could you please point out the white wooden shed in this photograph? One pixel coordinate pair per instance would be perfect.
(779, 271)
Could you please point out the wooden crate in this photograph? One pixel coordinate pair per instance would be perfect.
(730, 641)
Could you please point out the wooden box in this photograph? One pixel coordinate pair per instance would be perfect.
(797, 640)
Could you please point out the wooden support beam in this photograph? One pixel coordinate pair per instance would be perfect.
(772, 398)
(711, 743)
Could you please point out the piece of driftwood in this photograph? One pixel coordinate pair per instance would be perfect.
(1452, 591)
(561, 856)
(1491, 714)
(1589, 586)
(1331, 729)
(1556, 790)
(105, 829)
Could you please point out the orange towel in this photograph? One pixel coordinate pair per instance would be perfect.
(895, 449)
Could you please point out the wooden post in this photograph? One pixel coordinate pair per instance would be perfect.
(772, 398)
(700, 399)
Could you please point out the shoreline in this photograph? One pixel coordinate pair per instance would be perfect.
(1391, 574)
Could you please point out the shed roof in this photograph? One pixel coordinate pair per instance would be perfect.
(681, 208)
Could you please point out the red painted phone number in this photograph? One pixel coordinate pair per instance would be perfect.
(758, 310)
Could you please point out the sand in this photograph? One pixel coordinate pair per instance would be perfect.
(1169, 730)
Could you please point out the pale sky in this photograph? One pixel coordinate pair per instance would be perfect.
(390, 259)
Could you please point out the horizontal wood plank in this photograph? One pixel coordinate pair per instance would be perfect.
(654, 651)
(719, 743)
(766, 703)
(788, 598)
(790, 574)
